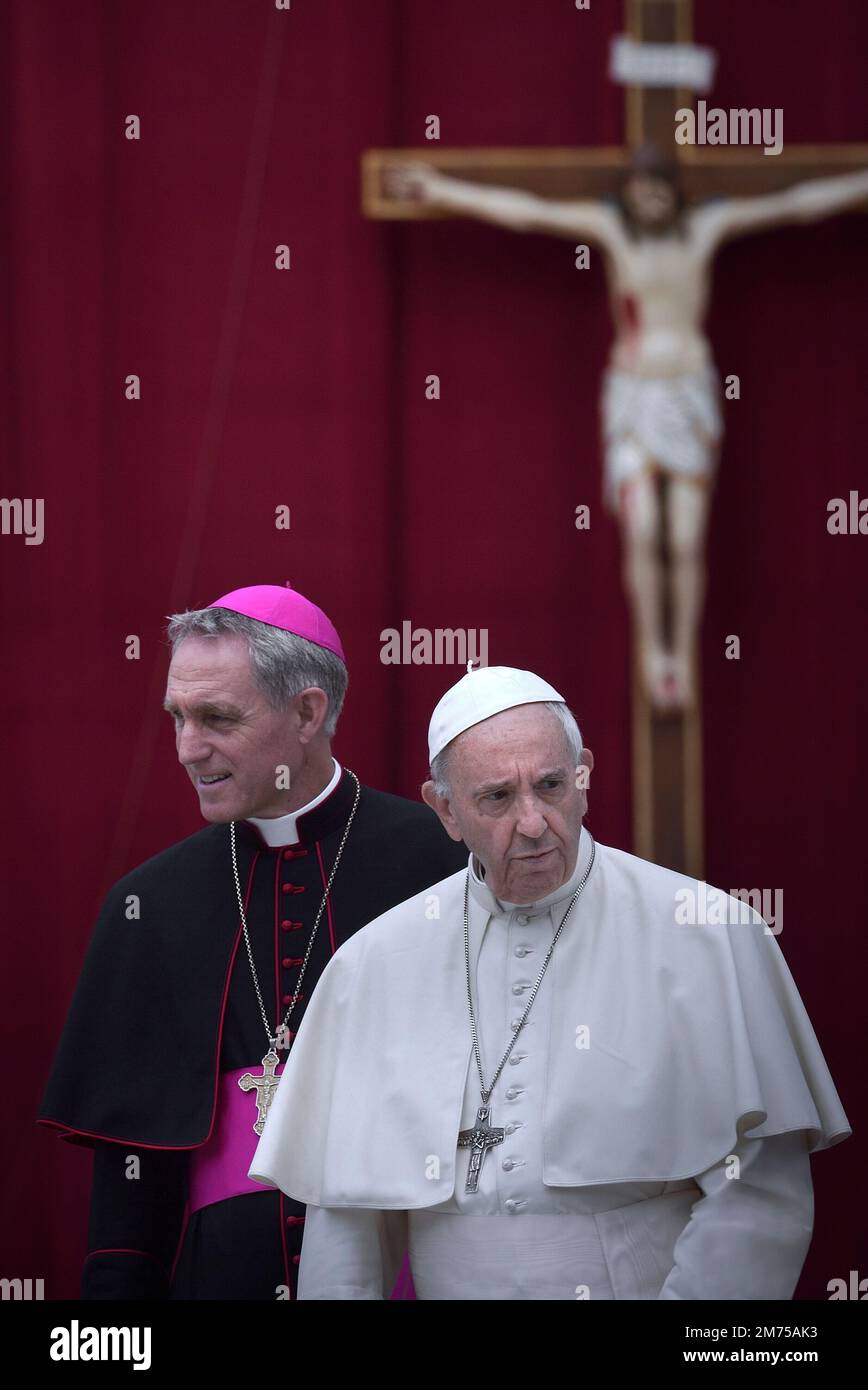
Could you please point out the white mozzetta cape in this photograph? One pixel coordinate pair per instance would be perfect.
(697, 1033)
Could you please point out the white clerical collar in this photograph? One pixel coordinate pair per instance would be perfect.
(500, 907)
(281, 830)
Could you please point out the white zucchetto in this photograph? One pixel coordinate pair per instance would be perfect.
(480, 694)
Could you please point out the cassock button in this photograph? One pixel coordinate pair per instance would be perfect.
(513, 1092)
(287, 999)
(295, 1220)
(514, 1023)
(286, 926)
(514, 1061)
(519, 989)
(521, 951)
(523, 918)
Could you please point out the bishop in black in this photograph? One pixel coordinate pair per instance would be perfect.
(165, 1020)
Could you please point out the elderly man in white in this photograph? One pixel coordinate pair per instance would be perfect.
(535, 1076)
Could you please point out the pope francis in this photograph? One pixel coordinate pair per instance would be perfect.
(535, 1076)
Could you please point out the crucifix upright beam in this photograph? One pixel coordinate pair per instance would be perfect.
(668, 817)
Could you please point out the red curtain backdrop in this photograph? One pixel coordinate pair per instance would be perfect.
(305, 388)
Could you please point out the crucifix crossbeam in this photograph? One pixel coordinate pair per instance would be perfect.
(593, 171)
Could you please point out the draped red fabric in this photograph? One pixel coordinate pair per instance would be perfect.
(304, 388)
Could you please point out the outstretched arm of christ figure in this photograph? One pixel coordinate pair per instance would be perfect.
(506, 207)
(749, 1233)
(803, 202)
(136, 1219)
(348, 1253)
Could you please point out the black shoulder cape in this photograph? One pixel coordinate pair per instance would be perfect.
(140, 1055)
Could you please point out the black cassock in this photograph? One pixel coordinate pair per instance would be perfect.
(165, 1005)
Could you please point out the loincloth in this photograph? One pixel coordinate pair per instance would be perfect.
(671, 423)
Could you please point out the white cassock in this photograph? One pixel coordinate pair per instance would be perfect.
(659, 1106)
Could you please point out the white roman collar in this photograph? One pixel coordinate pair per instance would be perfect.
(281, 830)
(500, 907)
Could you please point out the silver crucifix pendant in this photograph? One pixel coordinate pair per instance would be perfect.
(265, 1086)
(479, 1140)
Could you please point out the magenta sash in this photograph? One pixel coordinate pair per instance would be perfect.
(219, 1168)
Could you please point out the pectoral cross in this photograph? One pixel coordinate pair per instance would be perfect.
(479, 1139)
(265, 1086)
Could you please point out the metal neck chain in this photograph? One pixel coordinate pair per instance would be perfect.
(274, 1038)
(486, 1091)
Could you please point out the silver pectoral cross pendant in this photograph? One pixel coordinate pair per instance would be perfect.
(479, 1140)
(265, 1085)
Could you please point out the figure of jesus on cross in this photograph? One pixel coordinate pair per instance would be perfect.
(660, 402)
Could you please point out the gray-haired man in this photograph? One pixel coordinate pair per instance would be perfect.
(183, 1015)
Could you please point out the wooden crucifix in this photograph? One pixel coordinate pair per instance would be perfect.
(568, 192)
